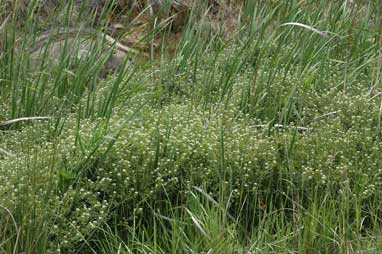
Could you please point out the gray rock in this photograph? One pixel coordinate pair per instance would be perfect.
(78, 46)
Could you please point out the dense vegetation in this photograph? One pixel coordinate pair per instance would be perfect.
(266, 140)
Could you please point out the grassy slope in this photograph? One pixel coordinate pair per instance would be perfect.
(267, 143)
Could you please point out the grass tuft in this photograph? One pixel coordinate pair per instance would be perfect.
(249, 127)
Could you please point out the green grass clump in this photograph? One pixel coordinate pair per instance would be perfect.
(264, 141)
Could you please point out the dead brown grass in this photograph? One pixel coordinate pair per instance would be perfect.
(133, 21)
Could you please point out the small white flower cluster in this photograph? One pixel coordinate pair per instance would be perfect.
(191, 131)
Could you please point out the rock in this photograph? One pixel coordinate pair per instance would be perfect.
(78, 46)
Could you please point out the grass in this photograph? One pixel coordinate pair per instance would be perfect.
(265, 141)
